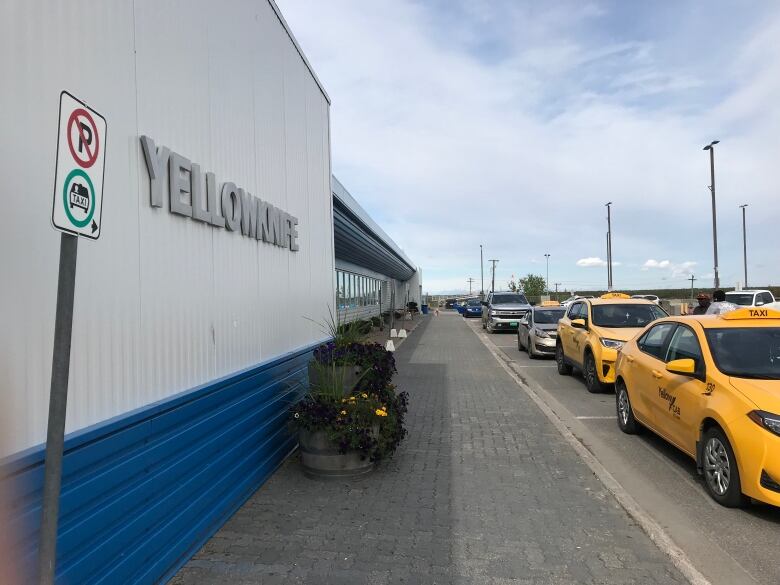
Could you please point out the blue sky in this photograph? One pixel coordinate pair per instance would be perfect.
(510, 124)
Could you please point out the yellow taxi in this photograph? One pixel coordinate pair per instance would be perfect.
(710, 385)
(593, 330)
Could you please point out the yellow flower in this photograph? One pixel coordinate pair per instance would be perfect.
(344, 412)
(380, 412)
(364, 395)
(351, 398)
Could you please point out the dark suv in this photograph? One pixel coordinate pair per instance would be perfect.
(503, 310)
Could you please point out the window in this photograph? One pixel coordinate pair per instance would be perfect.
(547, 316)
(507, 298)
(685, 345)
(574, 311)
(615, 316)
(653, 341)
(746, 352)
(766, 297)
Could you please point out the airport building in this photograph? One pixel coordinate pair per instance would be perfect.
(224, 243)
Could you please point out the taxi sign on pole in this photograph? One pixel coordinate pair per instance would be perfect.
(78, 183)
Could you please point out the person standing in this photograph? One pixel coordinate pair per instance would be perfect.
(719, 304)
(704, 304)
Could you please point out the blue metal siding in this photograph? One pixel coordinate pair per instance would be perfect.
(141, 493)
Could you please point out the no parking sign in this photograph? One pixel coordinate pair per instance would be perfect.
(78, 183)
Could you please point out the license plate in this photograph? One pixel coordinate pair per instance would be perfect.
(513, 324)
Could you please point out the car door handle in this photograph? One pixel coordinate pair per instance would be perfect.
(657, 374)
(630, 359)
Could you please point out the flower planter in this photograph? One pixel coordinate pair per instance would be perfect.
(321, 458)
(348, 375)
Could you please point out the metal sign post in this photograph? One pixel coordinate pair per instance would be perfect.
(76, 211)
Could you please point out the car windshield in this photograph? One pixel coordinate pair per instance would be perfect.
(473, 302)
(509, 298)
(626, 315)
(746, 352)
(548, 316)
(740, 298)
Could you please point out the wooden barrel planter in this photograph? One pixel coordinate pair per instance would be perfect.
(321, 458)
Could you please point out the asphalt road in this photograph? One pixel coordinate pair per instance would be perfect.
(729, 547)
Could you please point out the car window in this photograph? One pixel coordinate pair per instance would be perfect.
(767, 297)
(684, 345)
(654, 341)
(634, 315)
(574, 310)
(745, 352)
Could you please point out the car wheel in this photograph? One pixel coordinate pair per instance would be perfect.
(592, 382)
(530, 349)
(625, 414)
(564, 369)
(519, 345)
(721, 474)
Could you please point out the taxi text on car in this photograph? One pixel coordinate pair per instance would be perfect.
(710, 385)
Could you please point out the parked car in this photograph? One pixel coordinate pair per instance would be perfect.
(710, 385)
(652, 298)
(593, 331)
(573, 298)
(460, 306)
(450, 303)
(503, 310)
(750, 298)
(538, 330)
(472, 308)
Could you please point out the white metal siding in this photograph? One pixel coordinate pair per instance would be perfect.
(163, 303)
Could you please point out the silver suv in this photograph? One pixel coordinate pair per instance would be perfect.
(502, 311)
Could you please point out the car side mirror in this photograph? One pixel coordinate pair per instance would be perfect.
(684, 367)
(579, 324)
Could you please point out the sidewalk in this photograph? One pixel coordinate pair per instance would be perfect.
(484, 490)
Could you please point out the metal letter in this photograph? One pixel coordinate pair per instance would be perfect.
(199, 211)
(231, 206)
(179, 172)
(264, 227)
(293, 233)
(275, 219)
(248, 214)
(156, 161)
(212, 196)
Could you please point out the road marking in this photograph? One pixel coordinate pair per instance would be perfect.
(613, 417)
(656, 533)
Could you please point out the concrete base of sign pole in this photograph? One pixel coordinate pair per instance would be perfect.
(402, 333)
(390, 346)
(393, 333)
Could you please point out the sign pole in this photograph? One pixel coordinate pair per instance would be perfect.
(55, 437)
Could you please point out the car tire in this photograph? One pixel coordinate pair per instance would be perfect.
(529, 349)
(564, 369)
(592, 382)
(721, 473)
(519, 345)
(625, 413)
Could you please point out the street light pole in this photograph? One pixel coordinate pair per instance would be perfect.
(609, 245)
(711, 148)
(482, 271)
(744, 241)
(547, 280)
(493, 285)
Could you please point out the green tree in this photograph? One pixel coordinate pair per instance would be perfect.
(533, 285)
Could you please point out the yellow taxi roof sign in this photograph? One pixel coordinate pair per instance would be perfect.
(550, 304)
(615, 295)
(750, 313)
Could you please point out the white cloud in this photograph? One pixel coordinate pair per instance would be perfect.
(655, 264)
(591, 262)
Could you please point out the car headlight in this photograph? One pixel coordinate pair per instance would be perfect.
(540, 333)
(492, 312)
(769, 421)
(611, 343)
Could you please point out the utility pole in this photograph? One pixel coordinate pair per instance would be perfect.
(609, 245)
(547, 280)
(744, 241)
(493, 285)
(711, 148)
(482, 272)
(692, 278)
(470, 281)
(557, 284)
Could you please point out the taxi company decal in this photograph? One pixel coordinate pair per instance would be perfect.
(194, 194)
(672, 400)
